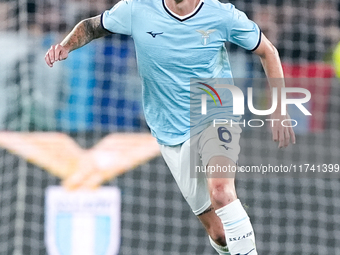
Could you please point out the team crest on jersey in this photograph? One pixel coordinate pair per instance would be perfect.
(205, 35)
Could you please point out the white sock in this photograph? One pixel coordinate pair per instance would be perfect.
(221, 250)
(238, 230)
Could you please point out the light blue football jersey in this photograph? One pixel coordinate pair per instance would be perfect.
(172, 50)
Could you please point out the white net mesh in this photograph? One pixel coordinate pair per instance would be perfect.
(97, 91)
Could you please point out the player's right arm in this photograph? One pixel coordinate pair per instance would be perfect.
(83, 33)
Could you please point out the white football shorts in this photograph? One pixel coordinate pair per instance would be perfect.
(221, 140)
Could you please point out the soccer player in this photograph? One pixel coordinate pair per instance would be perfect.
(177, 40)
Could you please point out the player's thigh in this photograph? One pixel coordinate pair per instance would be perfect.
(219, 149)
(194, 189)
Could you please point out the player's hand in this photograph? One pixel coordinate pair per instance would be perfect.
(56, 53)
(281, 134)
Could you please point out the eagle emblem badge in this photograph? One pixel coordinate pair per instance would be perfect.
(205, 35)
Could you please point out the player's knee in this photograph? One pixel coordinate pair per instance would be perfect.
(222, 193)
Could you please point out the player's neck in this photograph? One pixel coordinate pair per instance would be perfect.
(182, 7)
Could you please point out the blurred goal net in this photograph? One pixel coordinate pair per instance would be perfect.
(97, 91)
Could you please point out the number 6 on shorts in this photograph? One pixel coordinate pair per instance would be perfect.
(222, 133)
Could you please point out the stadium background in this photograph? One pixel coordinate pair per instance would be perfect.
(97, 91)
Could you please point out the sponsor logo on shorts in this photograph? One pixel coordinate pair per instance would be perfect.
(225, 147)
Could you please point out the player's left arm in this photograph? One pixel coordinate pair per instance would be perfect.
(272, 66)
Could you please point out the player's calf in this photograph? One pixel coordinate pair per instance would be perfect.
(238, 229)
(236, 224)
(214, 228)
